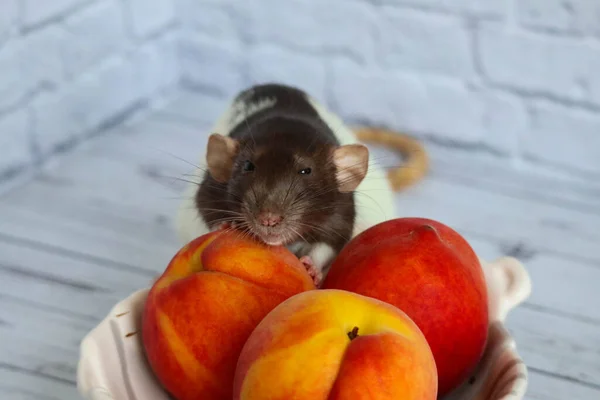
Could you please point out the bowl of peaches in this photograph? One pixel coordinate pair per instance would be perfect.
(406, 311)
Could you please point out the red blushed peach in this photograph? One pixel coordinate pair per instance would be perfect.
(430, 272)
(200, 312)
(335, 345)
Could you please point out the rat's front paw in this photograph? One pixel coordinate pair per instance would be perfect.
(312, 270)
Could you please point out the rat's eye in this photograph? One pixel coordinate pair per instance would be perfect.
(248, 166)
(305, 171)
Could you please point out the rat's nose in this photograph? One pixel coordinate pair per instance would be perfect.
(267, 218)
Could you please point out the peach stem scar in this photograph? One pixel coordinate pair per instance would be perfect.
(353, 334)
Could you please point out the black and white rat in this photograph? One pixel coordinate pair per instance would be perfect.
(283, 168)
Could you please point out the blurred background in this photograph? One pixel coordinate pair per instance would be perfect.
(515, 79)
(106, 104)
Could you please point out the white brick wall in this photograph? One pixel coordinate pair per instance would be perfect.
(517, 78)
(577, 17)
(308, 71)
(69, 67)
(149, 17)
(421, 42)
(16, 150)
(564, 135)
(480, 8)
(8, 14)
(90, 39)
(36, 12)
(558, 67)
(211, 65)
(335, 27)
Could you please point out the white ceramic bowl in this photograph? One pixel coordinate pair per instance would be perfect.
(112, 365)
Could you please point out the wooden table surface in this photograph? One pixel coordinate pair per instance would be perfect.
(97, 226)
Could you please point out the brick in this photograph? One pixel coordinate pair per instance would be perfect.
(564, 136)
(12, 89)
(405, 101)
(426, 43)
(29, 63)
(81, 107)
(146, 19)
(15, 141)
(304, 71)
(591, 86)
(567, 16)
(442, 108)
(157, 64)
(220, 19)
(55, 123)
(334, 26)
(41, 55)
(35, 12)
(541, 65)
(88, 40)
(485, 8)
(8, 15)
(107, 92)
(212, 65)
(503, 121)
(200, 108)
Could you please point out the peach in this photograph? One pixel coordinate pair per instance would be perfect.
(430, 272)
(200, 312)
(334, 344)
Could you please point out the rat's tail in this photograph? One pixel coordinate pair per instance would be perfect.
(416, 164)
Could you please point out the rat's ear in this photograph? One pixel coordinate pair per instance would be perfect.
(220, 153)
(351, 162)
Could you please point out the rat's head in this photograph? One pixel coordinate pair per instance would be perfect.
(282, 187)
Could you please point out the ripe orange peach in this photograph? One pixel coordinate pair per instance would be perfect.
(200, 312)
(335, 345)
(430, 272)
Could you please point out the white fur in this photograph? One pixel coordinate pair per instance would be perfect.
(321, 254)
(243, 111)
(373, 197)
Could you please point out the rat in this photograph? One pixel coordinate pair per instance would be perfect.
(283, 168)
